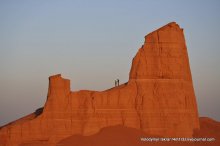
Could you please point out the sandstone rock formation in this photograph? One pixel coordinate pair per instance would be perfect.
(158, 99)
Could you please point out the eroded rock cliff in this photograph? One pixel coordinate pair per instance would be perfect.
(158, 99)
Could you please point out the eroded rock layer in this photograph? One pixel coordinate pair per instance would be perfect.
(158, 99)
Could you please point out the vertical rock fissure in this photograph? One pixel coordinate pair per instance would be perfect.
(92, 101)
(137, 106)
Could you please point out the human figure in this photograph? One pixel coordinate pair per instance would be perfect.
(118, 82)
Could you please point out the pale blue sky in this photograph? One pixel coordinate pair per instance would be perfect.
(93, 43)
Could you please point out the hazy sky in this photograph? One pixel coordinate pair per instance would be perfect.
(93, 42)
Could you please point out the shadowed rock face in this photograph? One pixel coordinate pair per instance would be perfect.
(158, 99)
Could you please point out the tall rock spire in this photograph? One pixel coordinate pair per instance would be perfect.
(163, 55)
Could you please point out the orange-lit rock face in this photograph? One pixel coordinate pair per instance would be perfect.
(163, 56)
(158, 99)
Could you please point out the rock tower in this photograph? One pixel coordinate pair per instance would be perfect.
(158, 99)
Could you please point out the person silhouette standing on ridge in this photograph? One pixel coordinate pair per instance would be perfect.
(117, 82)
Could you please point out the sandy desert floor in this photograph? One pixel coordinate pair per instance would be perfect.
(123, 136)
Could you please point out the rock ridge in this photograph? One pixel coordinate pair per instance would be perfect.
(158, 99)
